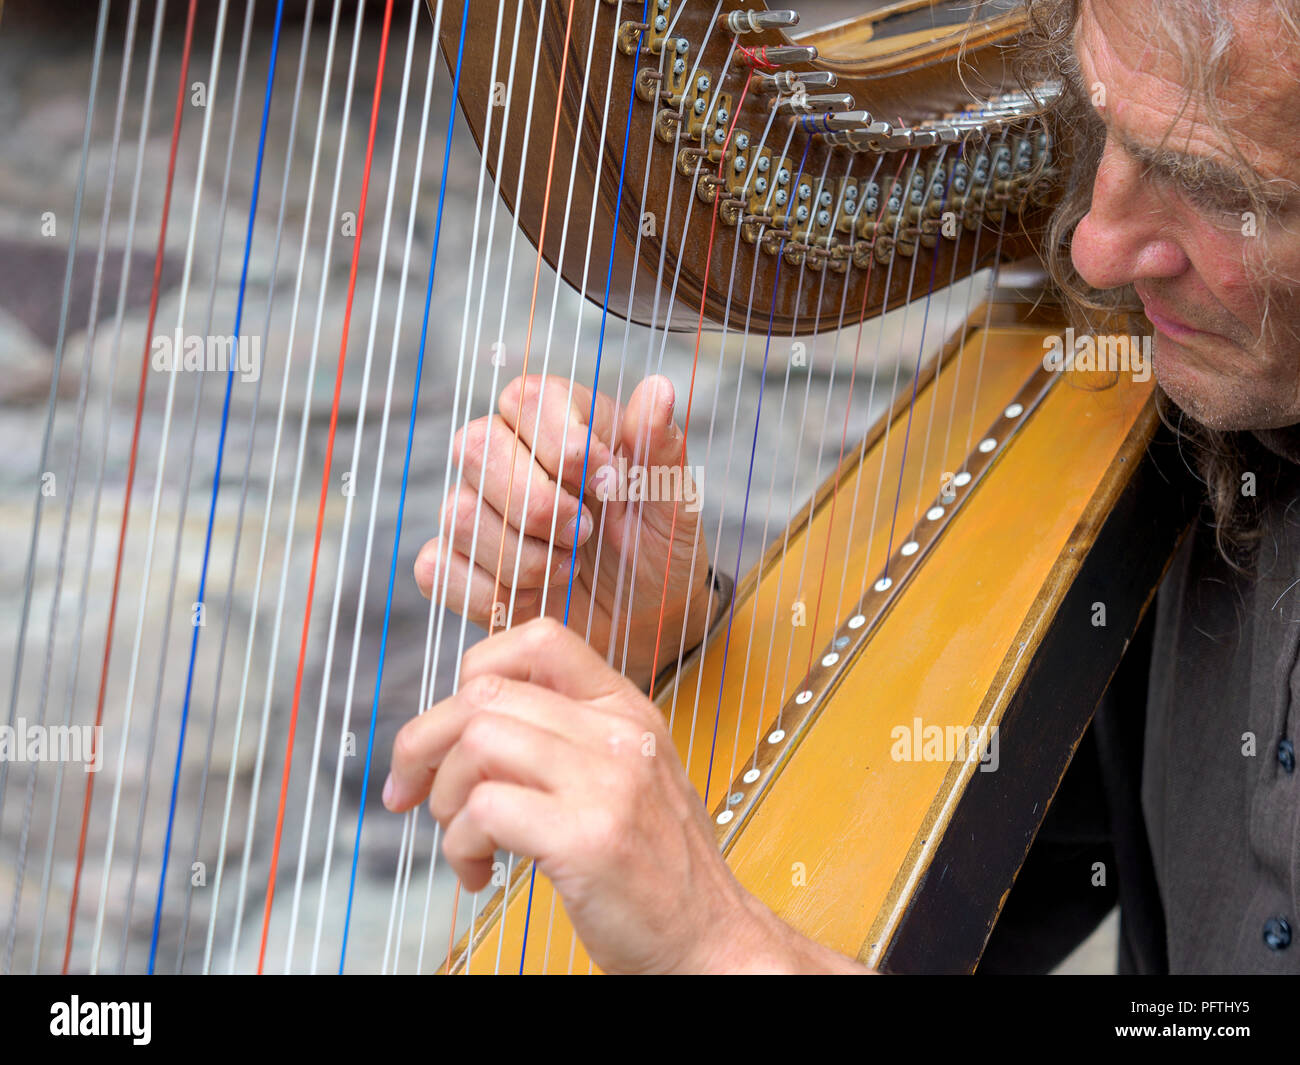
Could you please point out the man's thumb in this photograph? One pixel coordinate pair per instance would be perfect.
(650, 435)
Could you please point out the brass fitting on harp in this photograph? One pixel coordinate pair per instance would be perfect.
(666, 123)
(647, 84)
(689, 160)
(629, 36)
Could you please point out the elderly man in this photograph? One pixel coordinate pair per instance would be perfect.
(1191, 117)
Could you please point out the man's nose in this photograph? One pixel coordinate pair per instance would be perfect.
(1124, 237)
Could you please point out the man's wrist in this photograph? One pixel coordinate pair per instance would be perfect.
(719, 589)
(751, 940)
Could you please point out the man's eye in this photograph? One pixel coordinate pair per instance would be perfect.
(1216, 201)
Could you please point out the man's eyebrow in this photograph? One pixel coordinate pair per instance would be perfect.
(1191, 171)
(1196, 172)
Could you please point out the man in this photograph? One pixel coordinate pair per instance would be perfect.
(1190, 115)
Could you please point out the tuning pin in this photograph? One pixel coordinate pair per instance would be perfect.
(835, 122)
(789, 81)
(803, 104)
(758, 21)
(781, 55)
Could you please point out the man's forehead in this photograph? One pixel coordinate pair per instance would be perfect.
(1122, 48)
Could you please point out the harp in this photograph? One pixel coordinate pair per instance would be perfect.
(930, 596)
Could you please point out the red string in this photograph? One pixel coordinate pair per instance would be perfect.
(130, 475)
(757, 57)
(324, 488)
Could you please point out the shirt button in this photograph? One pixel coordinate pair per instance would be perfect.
(1277, 933)
(1286, 755)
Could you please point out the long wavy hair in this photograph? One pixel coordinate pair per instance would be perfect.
(1205, 39)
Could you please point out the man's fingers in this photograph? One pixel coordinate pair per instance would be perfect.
(424, 744)
(499, 816)
(553, 418)
(544, 652)
(430, 566)
(533, 566)
(528, 498)
(501, 746)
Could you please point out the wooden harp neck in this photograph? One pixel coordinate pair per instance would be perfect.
(744, 162)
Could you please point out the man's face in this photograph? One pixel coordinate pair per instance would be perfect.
(1226, 336)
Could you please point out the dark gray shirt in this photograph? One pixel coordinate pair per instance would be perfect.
(1220, 791)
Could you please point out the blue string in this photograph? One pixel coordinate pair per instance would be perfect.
(749, 480)
(401, 504)
(216, 484)
(591, 414)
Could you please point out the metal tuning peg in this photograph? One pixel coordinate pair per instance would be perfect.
(758, 21)
(789, 81)
(803, 104)
(781, 55)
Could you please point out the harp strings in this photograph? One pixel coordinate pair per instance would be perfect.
(73, 466)
(713, 414)
(150, 543)
(651, 146)
(406, 465)
(793, 500)
(216, 483)
(377, 480)
(135, 437)
(191, 454)
(209, 938)
(482, 270)
(916, 372)
(545, 376)
(641, 448)
(83, 596)
(278, 614)
(629, 561)
(495, 385)
(439, 592)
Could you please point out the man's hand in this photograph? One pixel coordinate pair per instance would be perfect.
(547, 752)
(543, 495)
